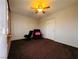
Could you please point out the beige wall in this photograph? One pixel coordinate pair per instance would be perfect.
(62, 26)
(21, 25)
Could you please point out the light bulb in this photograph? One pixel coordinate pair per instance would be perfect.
(40, 10)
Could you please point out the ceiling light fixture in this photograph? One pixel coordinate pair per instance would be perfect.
(40, 5)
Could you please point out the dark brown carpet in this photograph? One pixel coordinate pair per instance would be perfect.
(41, 49)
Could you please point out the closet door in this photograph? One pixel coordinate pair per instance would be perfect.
(47, 27)
(50, 29)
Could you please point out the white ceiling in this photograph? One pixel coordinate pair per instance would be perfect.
(24, 7)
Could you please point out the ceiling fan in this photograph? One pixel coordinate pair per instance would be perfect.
(40, 6)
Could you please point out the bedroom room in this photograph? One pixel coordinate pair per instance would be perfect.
(41, 29)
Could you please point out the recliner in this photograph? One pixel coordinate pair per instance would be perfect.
(37, 34)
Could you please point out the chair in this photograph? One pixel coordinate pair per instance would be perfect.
(37, 34)
(29, 36)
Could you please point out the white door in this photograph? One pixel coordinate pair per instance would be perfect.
(3, 29)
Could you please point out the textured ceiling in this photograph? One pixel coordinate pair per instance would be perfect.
(24, 7)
